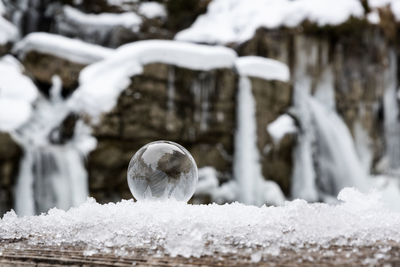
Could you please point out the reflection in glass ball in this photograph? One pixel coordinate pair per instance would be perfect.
(162, 170)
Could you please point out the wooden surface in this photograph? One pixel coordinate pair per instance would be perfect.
(19, 253)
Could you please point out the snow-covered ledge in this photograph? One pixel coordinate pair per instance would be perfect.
(101, 83)
(63, 47)
(261, 67)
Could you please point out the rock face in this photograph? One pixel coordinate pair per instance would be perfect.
(10, 154)
(273, 98)
(42, 67)
(356, 60)
(194, 108)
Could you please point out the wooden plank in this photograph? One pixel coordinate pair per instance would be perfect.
(20, 253)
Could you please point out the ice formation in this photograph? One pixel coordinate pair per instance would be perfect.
(236, 21)
(175, 228)
(162, 170)
(261, 67)
(252, 188)
(71, 49)
(52, 171)
(102, 82)
(8, 32)
(16, 95)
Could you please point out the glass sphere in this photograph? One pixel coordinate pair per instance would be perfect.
(162, 170)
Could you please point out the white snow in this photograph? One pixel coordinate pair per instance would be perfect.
(393, 4)
(17, 92)
(236, 20)
(261, 67)
(129, 20)
(8, 32)
(373, 17)
(280, 127)
(102, 82)
(71, 49)
(194, 230)
(152, 10)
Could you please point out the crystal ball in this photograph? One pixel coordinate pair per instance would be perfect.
(162, 170)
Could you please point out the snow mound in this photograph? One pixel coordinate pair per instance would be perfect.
(8, 32)
(236, 20)
(175, 228)
(17, 92)
(63, 47)
(152, 10)
(283, 125)
(102, 82)
(264, 68)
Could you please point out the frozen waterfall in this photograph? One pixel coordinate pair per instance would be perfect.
(252, 187)
(52, 172)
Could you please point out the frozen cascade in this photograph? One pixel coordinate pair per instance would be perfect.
(392, 114)
(26, 14)
(303, 176)
(51, 175)
(247, 169)
(203, 88)
(325, 158)
(252, 187)
(170, 98)
(337, 161)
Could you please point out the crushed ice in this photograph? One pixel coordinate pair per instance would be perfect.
(176, 228)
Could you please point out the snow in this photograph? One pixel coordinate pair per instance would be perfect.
(280, 127)
(373, 17)
(152, 10)
(129, 20)
(8, 32)
(264, 68)
(174, 228)
(17, 92)
(394, 6)
(63, 47)
(102, 82)
(236, 20)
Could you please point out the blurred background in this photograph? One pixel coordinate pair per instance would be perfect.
(275, 99)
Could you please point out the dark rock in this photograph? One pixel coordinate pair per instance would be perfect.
(43, 66)
(273, 98)
(193, 108)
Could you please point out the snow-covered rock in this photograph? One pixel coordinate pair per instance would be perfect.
(280, 127)
(59, 46)
(261, 67)
(105, 28)
(237, 20)
(102, 82)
